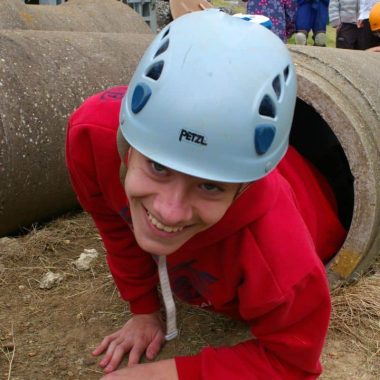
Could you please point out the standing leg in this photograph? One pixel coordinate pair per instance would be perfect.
(303, 22)
(320, 22)
(347, 36)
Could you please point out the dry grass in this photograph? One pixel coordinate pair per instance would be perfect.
(9, 350)
(356, 308)
(91, 298)
(356, 312)
(60, 233)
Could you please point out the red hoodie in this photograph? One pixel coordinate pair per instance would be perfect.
(261, 263)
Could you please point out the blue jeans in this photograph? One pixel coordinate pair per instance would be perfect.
(312, 15)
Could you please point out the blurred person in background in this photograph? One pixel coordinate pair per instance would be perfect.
(370, 39)
(282, 14)
(343, 15)
(311, 16)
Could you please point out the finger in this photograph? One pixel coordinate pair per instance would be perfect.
(155, 346)
(116, 358)
(102, 346)
(135, 354)
(111, 349)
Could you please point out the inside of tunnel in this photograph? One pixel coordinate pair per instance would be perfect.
(315, 140)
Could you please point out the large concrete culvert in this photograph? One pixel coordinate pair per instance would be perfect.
(337, 126)
(44, 76)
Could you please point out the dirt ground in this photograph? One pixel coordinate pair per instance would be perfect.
(50, 332)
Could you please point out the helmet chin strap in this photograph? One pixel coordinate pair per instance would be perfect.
(171, 320)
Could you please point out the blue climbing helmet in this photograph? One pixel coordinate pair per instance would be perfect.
(212, 97)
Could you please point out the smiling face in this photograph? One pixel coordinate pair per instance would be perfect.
(168, 207)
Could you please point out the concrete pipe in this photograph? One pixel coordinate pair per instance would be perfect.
(337, 126)
(108, 16)
(44, 76)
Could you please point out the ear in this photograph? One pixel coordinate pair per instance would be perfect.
(122, 147)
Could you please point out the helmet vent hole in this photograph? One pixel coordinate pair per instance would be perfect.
(264, 136)
(267, 107)
(140, 97)
(276, 84)
(166, 33)
(162, 48)
(155, 70)
(286, 73)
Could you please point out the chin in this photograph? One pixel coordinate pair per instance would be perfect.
(157, 249)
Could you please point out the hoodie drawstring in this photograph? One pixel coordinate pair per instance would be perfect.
(171, 321)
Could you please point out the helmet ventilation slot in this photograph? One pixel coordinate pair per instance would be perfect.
(162, 48)
(155, 70)
(286, 73)
(166, 33)
(276, 84)
(267, 107)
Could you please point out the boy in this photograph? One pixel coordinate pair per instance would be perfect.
(203, 127)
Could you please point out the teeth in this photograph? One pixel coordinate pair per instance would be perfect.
(161, 226)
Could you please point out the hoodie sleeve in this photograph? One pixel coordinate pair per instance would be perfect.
(93, 164)
(334, 13)
(288, 336)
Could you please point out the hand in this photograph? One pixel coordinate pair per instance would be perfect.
(360, 23)
(161, 370)
(375, 49)
(142, 333)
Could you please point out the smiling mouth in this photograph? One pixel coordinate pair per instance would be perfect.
(163, 227)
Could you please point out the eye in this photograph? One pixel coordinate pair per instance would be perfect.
(158, 168)
(210, 187)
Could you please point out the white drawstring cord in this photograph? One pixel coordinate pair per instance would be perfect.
(171, 322)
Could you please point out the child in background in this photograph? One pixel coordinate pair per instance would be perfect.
(212, 203)
(343, 16)
(282, 14)
(370, 39)
(312, 15)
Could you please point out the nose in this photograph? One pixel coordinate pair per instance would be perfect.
(172, 204)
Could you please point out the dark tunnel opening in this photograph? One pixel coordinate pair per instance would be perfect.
(315, 140)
